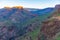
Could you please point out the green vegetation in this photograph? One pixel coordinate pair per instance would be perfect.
(58, 14)
(34, 34)
(58, 38)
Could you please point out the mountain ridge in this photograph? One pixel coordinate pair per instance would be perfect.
(22, 24)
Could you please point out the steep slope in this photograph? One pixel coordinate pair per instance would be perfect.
(50, 29)
(20, 24)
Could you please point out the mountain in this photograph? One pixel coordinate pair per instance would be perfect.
(40, 11)
(18, 23)
(50, 29)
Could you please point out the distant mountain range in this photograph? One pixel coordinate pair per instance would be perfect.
(40, 11)
(18, 23)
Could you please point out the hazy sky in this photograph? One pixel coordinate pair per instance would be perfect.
(30, 3)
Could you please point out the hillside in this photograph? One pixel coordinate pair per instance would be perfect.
(17, 23)
(50, 30)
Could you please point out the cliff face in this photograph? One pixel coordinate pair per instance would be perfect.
(57, 7)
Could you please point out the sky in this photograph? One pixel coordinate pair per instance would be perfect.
(29, 3)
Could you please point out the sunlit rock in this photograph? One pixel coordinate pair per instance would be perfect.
(18, 7)
(7, 7)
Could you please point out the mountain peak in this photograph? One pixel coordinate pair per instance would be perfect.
(7, 7)
(18, 7)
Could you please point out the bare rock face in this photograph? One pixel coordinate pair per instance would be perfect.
(56, 11)
(57, 7)
(49, 29)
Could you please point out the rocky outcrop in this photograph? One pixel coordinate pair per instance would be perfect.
(57, 7)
